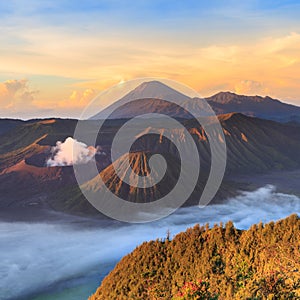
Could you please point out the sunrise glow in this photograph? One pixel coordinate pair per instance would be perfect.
(53, 65)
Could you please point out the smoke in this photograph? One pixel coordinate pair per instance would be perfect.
(71, 152)
(65, 257)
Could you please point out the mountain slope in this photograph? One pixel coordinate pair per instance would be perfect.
(154, 97)
(8, 124)
(253, 146)
(217, 263)
(258, 145)
(139, 164)
(32, 137)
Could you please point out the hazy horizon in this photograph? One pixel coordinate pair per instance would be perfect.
(69, 116)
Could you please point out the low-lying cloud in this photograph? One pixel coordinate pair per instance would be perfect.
(71, 152)
(65, 255)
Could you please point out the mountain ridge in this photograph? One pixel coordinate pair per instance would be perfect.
(254, 146)
(157, 97)
(257, 106)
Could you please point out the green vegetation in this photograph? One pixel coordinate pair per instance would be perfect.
(218, 263)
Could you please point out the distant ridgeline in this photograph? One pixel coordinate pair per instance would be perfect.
(254, 146)
(218, 263)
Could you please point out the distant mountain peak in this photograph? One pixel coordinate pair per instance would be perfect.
(230, 97)
(153, 84)
(225, 93)
(157, 90)
(258, 106)
(145, 99)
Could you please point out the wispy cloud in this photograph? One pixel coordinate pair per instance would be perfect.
(235, 45)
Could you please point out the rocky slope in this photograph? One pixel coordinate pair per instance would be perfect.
(253, 146)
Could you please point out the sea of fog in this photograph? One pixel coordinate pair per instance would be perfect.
(60, 260)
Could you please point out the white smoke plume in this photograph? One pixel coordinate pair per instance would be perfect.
(70, 152)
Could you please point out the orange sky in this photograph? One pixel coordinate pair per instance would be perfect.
(53, 64)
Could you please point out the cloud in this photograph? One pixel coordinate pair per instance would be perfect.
(262, 65)
(15, 92)
(70, 251)
(78, 99)
(70, 152)
(67, 106)
(251, 87)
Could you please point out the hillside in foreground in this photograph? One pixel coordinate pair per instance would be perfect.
(221, 262)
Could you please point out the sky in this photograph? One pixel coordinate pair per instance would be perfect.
(56, 56)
